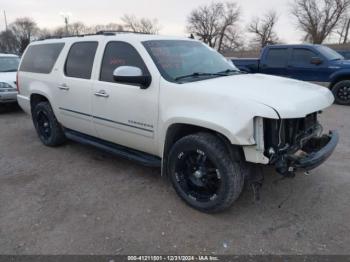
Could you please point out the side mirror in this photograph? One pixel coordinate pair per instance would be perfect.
(132, 75)
(316, 61)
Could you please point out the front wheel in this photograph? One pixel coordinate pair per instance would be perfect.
(341, 92)
(203, 174)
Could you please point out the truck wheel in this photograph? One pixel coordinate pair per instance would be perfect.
(49, 130)
(341, 92)
(203, 174)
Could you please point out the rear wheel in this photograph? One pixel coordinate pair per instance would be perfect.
(49, 130)
(203, 173)
(341, 92)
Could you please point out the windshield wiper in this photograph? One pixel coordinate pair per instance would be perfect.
(194, 75)
(228, 71)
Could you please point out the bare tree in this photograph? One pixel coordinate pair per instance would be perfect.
(44, 33)
(108, 27)
(233, 40)
(344, 29)
(318, 18)
(25, 29)
(77, 28)
(8, 42)
(230, 17)
(141, 25)
(263, 29)
(215, 23)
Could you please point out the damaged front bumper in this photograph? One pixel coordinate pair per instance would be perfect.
(317, 150)
(314, 153)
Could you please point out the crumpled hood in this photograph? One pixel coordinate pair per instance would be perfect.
(290, 98)
(8, 77)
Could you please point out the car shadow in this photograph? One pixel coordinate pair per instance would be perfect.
(10, 108)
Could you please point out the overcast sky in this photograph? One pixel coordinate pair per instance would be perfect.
(171, 14)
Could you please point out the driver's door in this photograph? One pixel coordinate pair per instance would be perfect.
(302, 68)
(124, 114)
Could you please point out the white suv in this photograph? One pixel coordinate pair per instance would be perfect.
(8, 68)
(175, 103)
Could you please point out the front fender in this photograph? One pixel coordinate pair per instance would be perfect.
(237, 125)
(341, 74)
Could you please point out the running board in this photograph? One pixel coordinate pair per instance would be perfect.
(118, 150)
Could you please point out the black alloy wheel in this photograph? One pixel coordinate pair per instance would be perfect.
(44, 125)
(197, 176)
(49, 130)
(344, 93)
(204, 174)
(341, 92)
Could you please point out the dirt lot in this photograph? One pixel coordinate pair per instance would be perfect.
(78, 200)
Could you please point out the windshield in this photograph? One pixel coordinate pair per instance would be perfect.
(9, 64)
(186, 61)
(329, 53)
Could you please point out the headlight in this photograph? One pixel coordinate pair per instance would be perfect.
(5, 86)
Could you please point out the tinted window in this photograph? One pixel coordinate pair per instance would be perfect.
(329, 53)
(41, 58)
(303, 56)
(80, 60)
(277, 57)
(119, 54)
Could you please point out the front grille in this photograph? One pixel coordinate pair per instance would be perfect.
(288, 133)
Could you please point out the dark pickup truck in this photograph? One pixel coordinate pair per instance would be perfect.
(313, 63)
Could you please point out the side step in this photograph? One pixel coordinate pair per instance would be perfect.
(118, 150)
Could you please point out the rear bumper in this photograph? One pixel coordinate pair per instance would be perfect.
(318, 150)
(8, 97)
(24, 103)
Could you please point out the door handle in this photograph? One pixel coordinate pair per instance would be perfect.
(64, 87)
(102, 93)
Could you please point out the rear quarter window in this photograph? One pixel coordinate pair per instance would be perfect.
(41, 58)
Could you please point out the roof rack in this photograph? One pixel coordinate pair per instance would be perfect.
(114, 32)
(104, 33)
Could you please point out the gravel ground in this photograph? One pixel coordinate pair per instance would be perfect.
(78, 200)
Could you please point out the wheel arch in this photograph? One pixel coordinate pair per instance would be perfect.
(36, 98)
(177, 131)
(338, 78)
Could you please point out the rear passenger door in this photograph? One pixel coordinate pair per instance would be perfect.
(275, 62)
(75, 88)
(125, 114)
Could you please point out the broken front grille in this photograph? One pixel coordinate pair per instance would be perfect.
(289, 134)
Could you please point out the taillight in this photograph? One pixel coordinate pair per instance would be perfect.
(17, 83)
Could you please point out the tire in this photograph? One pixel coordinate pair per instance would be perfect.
(203, 173)
(49, 130)
(341, 92)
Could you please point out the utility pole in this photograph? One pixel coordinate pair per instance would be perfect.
(5, 20)
(66, 22)
(66, 17)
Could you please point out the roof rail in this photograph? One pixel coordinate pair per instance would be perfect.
(104, 32)
(114, 32)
